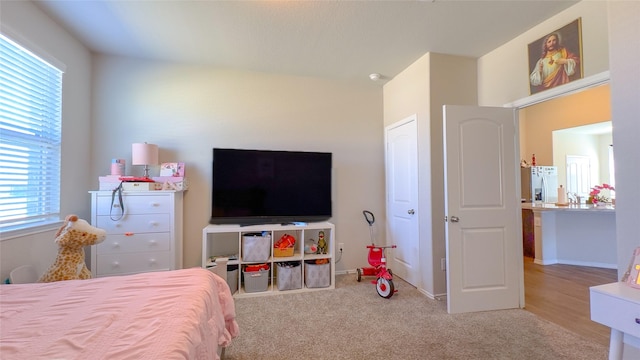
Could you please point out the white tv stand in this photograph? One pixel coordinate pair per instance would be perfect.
(225, 241)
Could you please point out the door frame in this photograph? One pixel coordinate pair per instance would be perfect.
(566, 89)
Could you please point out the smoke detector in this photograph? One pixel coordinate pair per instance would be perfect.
(374, 76)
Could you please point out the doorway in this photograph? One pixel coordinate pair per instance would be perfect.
(582, 102)
(401, 164)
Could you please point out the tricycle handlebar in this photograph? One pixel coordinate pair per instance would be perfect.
(380, 247)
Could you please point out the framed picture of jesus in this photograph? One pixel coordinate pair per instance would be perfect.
(556, 58)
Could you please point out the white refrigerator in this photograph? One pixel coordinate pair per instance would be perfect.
(539, 183)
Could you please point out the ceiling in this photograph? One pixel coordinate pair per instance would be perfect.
(332, 39)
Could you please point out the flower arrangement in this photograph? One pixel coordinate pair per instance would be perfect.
(595, 197)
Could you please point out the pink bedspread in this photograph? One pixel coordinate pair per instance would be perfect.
(182, 314)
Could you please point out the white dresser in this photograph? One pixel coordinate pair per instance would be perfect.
(617, 306)
(146, 236)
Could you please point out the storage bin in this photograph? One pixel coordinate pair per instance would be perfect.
(317, 276)
(289, 277)
(232, 278)
(219, 266)
(256, 281)
(256, 247)
(277, 252)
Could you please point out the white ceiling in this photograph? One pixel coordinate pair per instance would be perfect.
(334, 39)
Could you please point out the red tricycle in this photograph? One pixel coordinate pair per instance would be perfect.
(378, 262)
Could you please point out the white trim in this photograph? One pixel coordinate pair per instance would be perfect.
(30, 230)
(30, 46)
(570, 88)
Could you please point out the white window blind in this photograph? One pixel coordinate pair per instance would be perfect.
(30, 133)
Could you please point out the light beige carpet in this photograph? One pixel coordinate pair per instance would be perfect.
(353, 322)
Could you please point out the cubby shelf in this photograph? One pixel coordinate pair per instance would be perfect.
(226, 241)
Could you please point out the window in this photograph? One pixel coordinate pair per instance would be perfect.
(30, 136)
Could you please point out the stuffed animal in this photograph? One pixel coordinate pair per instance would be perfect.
(71, 238)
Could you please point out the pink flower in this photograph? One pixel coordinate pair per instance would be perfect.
(595, 193)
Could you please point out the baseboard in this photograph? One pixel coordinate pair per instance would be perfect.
(588, 263)
(545, 262)
(577, 263)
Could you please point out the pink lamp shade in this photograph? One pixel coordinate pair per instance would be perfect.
(144, 154)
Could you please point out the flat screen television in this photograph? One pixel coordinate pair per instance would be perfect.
(269, 187)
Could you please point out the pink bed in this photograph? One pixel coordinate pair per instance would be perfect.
(181, 314)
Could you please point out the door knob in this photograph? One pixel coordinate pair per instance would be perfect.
(455, 219)
(411, 212)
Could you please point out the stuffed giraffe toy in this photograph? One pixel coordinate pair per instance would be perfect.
(71, 238)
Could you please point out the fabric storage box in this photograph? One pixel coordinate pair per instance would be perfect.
(256, 281)
(317, 276)
(256, 247)
(232, 278)
(289, 276)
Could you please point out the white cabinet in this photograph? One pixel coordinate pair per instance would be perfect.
(243, 247)
(143, 234)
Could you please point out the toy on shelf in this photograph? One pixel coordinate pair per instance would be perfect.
(322, 243)
(310, 246)
(284, 246)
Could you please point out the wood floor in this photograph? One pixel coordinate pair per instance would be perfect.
(560, 294)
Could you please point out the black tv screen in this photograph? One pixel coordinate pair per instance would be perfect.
(267, 186)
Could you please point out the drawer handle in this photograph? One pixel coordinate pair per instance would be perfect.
(128, 234)
(152, 261)
(154, 204)
(153, 242)
(116, 245)
(115, 264)
(153, 223)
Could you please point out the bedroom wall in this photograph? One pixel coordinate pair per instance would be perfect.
(23, 22)
(188, 110)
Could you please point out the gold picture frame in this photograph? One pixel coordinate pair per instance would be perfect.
(556, 58)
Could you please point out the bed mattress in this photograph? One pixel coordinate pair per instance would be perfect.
(181, 314)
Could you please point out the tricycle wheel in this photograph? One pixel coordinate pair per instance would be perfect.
(359, 275)
(385, 288)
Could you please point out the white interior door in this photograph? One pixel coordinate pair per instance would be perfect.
(483, 230)
(401, 162)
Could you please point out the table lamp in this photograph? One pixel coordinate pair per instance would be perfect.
(144, 154)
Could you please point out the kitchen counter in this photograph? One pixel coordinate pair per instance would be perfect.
(569, 207)
(576, 234)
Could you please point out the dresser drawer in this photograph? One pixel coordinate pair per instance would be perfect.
(137, 242)
(133, 224)
(140, 204)
(112, 264)
(616, 312)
